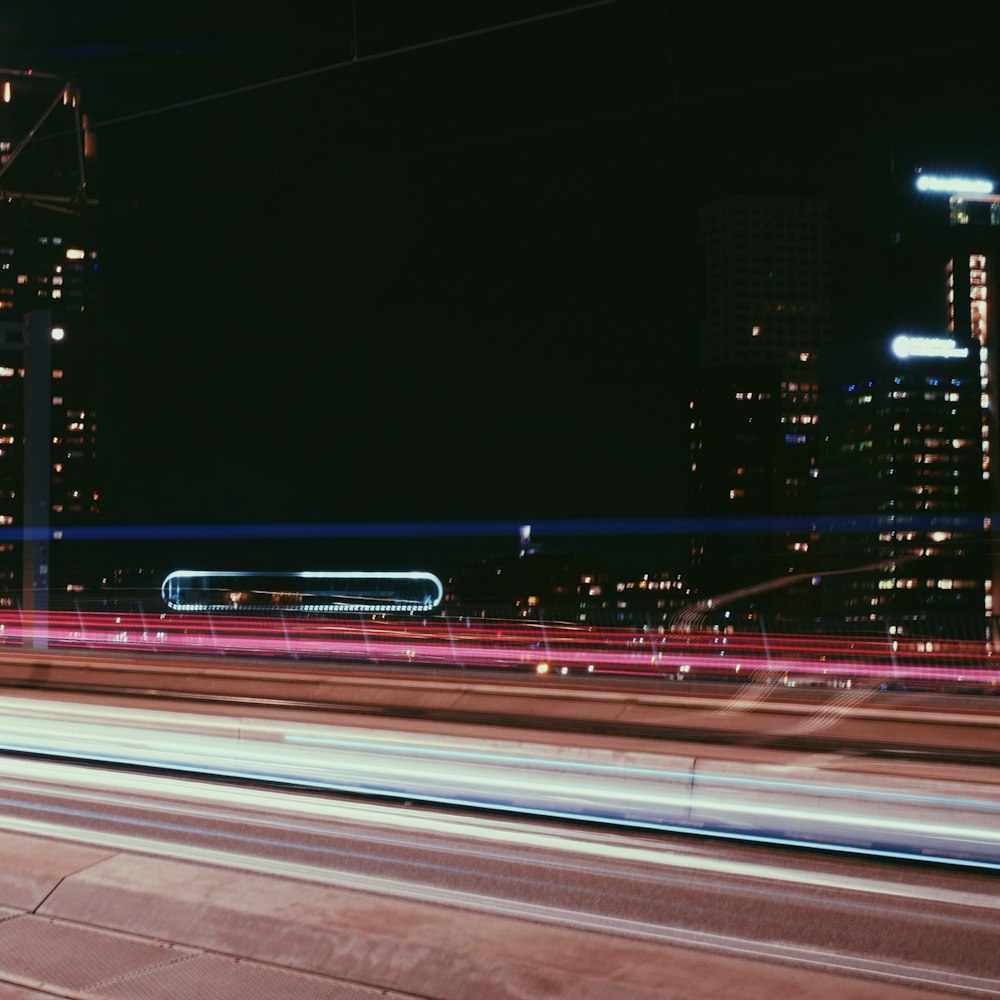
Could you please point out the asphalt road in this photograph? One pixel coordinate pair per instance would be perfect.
(886, 923)
(723, 918)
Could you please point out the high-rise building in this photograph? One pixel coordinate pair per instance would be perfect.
(48, 262)
(898, 436)
(905, 554)
(754, 404)
(908, 432)
(944, 256)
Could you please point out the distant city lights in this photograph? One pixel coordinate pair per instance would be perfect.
(953, 185)
(905, 346)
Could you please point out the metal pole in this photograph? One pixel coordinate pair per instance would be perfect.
(37, 461)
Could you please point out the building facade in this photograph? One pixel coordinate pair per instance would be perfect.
(904, 546)
(754, 404)
(940, 283)
(48, 263)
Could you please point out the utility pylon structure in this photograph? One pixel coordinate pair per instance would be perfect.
(66, 94)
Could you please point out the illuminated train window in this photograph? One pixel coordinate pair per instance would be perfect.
(236, 590)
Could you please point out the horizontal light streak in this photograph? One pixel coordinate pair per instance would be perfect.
(182, 795)
(780, 659)
(556, 528)
(838, 810)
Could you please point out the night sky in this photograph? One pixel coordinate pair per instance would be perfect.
(455, 279)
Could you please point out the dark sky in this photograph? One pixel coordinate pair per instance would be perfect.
(455, 279)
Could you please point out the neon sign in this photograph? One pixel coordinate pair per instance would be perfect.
(905, 346)
(953, 185)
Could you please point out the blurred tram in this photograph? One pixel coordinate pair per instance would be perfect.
(306, 591)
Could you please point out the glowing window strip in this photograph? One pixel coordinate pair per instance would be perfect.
(173, 588)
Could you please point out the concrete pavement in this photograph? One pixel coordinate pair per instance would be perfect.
(85, 923)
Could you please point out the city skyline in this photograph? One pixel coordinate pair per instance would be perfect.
(455, 282)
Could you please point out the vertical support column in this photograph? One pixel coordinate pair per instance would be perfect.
(37, 469)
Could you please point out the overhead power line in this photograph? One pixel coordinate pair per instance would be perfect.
(355, 60)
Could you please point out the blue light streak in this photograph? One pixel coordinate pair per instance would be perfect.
(564, 528)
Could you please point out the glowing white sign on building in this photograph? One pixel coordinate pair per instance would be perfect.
(953, 185)
(905, 346)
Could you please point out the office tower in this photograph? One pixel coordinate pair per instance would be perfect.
(939, 288)
(48, 262)
(753, 407)
(906, 553)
